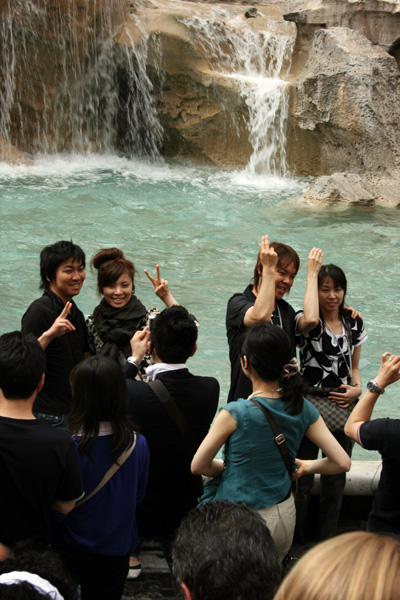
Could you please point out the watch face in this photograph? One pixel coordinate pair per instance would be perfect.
(373, 387)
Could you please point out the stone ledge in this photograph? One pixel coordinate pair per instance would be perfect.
(362, 479)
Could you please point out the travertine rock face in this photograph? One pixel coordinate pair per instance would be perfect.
(345, 108)
(200, 106)
(46, 52)
(11, 155)
(377, 20)
(354, 189)
(343, 84)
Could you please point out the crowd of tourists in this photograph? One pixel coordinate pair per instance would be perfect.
(107, 439)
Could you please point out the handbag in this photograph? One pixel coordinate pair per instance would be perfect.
(111, 471)
(335, 416)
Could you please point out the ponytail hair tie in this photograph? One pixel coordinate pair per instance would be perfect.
(290, 369)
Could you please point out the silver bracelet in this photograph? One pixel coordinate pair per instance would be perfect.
(357, 383)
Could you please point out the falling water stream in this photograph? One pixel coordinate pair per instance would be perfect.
(202, 224)
(258, 63)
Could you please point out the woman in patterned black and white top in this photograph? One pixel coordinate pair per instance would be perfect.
(330, 349)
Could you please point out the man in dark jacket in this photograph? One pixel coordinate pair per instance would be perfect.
(172, 489)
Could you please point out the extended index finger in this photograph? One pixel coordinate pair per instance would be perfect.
(149, 276)
(158, 272)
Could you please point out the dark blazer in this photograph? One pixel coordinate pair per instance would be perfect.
(172, 489)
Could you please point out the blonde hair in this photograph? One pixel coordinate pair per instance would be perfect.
(353, 566)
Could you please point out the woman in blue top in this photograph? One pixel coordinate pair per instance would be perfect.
(97, 535)
(253, 470)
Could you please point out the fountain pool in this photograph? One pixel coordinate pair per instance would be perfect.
(203, 227)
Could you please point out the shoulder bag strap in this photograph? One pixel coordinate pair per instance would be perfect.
(279, 438)
(111, 471)
(174, 413)
(347, 327)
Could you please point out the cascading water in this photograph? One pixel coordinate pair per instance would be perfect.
(66, 86)
(257, 61)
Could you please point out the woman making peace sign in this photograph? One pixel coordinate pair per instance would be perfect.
(120, 313)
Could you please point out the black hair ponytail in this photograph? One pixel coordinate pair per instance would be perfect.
(268, 351)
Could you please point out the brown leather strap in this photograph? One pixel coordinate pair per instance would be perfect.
(279, 438)
(113, 469)
(174, 413)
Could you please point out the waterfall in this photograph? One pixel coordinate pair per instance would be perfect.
(257, 61)
(65, 86)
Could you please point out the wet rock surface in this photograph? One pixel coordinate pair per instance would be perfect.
(343, 85)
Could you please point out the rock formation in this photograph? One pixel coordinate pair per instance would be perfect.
(344, 113)
(343, 84)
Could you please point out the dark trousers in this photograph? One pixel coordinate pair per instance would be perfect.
(332, 488)
(101, 577)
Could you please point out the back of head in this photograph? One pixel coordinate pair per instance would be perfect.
(224, 551)
(111, 264)
(52, 256)
(174, 334)
(22, 364)
(269, 352)
(99, 393)
(24, 561)
(286, 256)
(353, 566)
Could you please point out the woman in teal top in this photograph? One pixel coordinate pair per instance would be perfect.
(253, 470)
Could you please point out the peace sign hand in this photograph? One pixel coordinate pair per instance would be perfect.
(161, 288)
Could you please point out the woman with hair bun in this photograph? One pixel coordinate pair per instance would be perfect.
(120, 313)
(253, 470)
(353, 566)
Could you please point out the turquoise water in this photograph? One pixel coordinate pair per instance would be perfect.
(203, 227)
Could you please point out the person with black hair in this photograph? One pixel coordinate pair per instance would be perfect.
(59, 325)
(172, 489)
(28, 574)
(253, 470)
(120, 313)
(229, 571)
(381, 435)
(330, 348)
(98, 535)
(38, 465)
(263, 302)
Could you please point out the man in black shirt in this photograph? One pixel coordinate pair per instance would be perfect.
(59, 325)
(382, 435)
(39, 467)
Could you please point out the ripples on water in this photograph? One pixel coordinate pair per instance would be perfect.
(203, 226)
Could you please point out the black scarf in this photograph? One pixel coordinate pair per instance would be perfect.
(116, 326)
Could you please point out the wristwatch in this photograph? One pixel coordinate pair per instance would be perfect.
(134, 361)
(372, 386)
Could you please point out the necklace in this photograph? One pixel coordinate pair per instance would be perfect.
(279, 318)
(258, 392)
